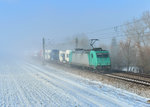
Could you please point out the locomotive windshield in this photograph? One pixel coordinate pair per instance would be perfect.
(102, 55)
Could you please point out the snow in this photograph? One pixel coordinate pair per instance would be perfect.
(27, 84)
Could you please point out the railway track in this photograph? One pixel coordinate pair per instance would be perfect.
(121, 77)
(139, 74)
(126, 78)
(138, 81)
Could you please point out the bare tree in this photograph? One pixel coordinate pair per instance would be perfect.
(81, 41)
(139, 33)
(76, 41)
(115, 56)
(128, 53)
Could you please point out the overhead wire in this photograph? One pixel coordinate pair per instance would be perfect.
(111, 31)
(112, 28)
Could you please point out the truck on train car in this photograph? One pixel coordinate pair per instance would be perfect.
(95, 58)
(67, 53)
(54, 55)
(47, 55)
(62, 56)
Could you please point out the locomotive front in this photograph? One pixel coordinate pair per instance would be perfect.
(100, 59)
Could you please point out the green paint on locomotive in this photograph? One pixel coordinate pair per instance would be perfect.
(70, 57)
(97, 59)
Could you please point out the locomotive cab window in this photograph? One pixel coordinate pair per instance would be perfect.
(105, 55)
(99, 55)
(102, 55)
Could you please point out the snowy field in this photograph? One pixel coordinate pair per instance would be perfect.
(34, 85)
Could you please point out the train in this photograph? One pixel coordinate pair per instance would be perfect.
(95, 58)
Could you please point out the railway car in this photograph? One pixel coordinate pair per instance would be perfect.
(62, 56)
(54, 55)
(95, 58)
(47, 55)
(67, 55)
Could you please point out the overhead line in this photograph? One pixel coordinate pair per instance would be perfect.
(113, 28)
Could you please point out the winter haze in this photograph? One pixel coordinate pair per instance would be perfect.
(24, 23)
(48, 57)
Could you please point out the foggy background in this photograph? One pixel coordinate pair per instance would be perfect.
(23, 24)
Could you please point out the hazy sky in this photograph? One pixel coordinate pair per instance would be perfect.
(24, 22)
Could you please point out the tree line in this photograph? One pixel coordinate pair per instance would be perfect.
(135, 49)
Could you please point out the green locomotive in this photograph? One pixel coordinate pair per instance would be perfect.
(95, 58)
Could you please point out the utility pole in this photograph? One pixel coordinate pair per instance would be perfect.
(43, 44)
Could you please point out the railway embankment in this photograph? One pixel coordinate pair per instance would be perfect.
(140, 89)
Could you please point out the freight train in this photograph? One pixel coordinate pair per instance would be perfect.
(95, 58)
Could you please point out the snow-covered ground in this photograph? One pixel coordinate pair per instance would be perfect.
(27, 84)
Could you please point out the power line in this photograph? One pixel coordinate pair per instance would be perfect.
(123, 35)
(114, 33)
(113, 28)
